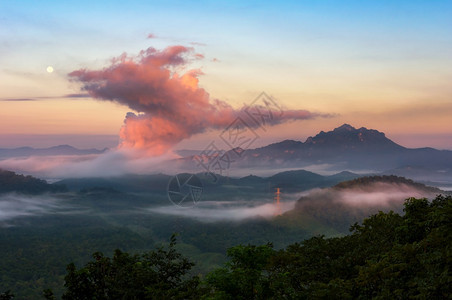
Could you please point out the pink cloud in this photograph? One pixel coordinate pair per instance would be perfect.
(199, 56)
(170, 104)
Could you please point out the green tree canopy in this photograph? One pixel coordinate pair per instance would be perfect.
(158, 274)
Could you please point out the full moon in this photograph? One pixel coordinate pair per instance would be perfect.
(49, 69)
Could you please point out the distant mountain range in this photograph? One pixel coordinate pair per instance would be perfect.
(289, 181)
(344, 148)
(347, 148)
(56, 150)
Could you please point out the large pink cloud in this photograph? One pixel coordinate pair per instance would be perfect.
(169, 103)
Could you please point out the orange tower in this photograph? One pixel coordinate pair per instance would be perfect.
(278, 205)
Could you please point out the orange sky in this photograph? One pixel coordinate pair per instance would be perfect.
(383, 67)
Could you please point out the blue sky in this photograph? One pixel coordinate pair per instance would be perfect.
(379, 64)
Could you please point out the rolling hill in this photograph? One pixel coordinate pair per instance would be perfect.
(349, 201)
(12, 182)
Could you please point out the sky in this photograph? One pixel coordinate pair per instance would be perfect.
(158, 75)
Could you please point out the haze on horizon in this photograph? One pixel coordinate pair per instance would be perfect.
(384, 66)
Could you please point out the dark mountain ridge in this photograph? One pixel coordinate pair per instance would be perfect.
(289, 181)
(12, 182)
(344, 147)
(349, 138)
(56, 150)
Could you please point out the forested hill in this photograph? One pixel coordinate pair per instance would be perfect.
(351, 201)
(369, 181)
(12, 182)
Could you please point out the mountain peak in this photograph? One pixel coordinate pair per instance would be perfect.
(345, 127)
(349, 138)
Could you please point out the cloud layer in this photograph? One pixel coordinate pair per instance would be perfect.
(169, 104)
(110, 163)
(13, 206)
(212, 211)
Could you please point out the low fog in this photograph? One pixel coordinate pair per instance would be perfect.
(341, 207)
(211, 211)
(378, 196)
(112, 163)
(14, 205)
(117, 162)
(329, 203)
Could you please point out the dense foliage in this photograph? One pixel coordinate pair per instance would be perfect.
(154, 275)
(388, 256)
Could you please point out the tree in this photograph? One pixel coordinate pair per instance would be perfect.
(245, 276)
(158, 274)
(6, 296)
(48, 294)
(418, 263)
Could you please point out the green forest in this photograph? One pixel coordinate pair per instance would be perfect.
(386, 256)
